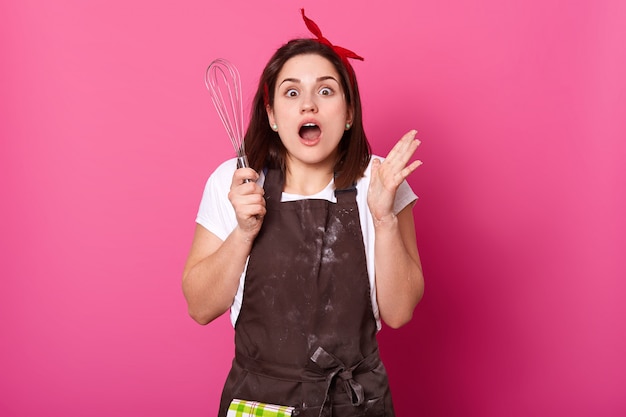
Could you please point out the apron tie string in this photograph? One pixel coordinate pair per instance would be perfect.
(335, 368)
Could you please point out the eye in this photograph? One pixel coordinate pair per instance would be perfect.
(292, 92)
(326, 91)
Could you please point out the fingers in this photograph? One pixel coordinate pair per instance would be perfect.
(247, 198)
(396, 167)
(404, 148)
(243, 175)
(408, 170)
(249, 207)
(248, 204)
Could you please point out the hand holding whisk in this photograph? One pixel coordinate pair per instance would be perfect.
(222, 81)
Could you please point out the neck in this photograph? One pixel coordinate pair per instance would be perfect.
(308, 180)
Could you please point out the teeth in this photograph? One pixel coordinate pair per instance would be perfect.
(309, 125)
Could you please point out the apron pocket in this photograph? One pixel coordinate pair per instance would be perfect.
(370, 408)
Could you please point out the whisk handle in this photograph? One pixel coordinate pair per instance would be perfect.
(242, 162)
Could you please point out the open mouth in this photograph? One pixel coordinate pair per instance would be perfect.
(309, 131)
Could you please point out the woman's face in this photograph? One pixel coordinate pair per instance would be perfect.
(309, 110)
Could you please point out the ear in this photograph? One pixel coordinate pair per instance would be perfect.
(349, 114)
(270, 115)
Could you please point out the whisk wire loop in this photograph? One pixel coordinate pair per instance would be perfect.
(223, 82)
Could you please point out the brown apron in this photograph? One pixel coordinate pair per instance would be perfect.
(306, 333)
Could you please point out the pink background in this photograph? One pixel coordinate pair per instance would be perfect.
(108, 135)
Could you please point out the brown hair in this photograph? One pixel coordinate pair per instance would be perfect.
(262, 144)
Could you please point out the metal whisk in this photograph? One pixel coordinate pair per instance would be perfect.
(222, 81)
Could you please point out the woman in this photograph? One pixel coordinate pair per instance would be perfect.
(312, 246)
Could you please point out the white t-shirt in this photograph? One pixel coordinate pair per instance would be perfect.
(217, 215)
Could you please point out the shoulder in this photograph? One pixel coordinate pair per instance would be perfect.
(224, 172)
(221, 178)
(215, 212)
(217, 186)
(364, 181)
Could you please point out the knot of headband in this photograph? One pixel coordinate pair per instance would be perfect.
(343, 53)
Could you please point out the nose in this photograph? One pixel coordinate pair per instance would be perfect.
(308, 104)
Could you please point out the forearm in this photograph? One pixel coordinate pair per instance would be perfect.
(211, 284)
(399, 279)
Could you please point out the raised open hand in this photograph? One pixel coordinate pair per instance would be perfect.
(389, 174)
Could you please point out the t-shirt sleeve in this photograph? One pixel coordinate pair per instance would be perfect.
(404, 197)
(216, 214)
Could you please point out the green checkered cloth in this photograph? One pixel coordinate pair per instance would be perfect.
(243, 408)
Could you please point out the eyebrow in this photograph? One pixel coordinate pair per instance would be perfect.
(319, 79)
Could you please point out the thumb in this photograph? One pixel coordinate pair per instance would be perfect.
(375, 165)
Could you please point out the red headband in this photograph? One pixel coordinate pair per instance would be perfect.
(343, 53)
